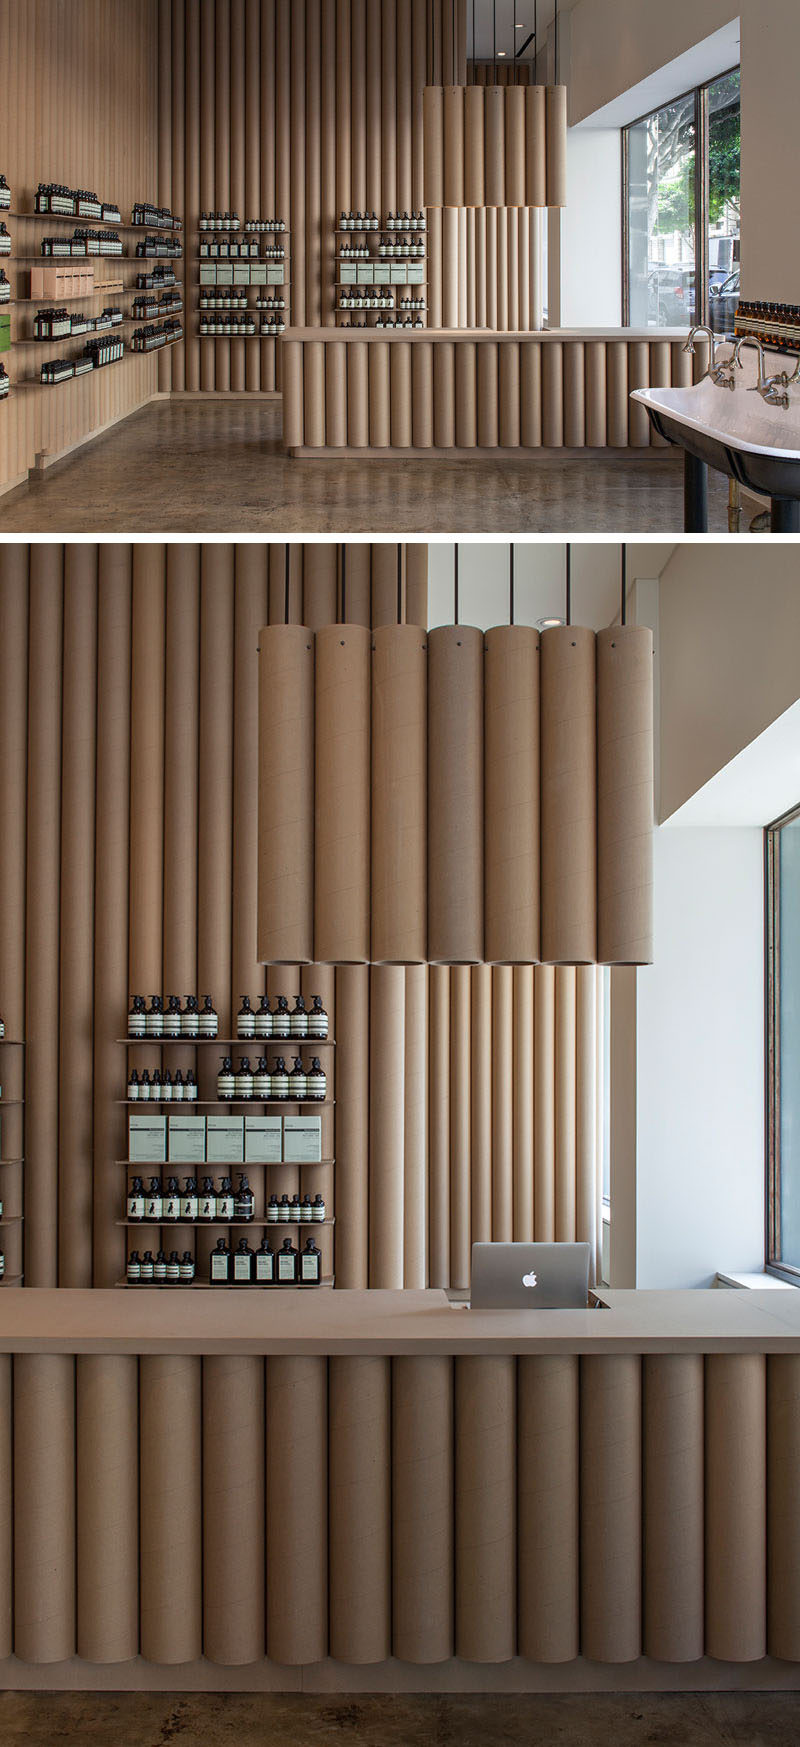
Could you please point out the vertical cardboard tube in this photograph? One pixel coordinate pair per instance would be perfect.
(568, 800)
(481, 1104)
(556, 122)
(466, 395)
(574, 395)
(358, 393)
(439, 1126)
(435, 221)
(638, 377)
(450, 309)
(673, 1506)
(399, 785)
(433, 137)
(233, 1509)
(286, 795)
(548, 1505)
(735, 1514)
(502, 1103)
(380, 400)
(417, 580)
(352, 1126)
(553, 394)
(14, 563)
(336, 396)
(511, 814)
(783, 1550)
(544, 1119)
(387, 1034)
(611, 1504)
(460, 1128)
(565, 1104)
(444, 394)
(536, 145)
(680, 365)
(508, 430)
(386, 583)
(625, 802)
(485, 1513)
(488, 394)
(588, 1193)
(422, 1509)
(617, 373)
(342, 784)
(292, 354)
(44, 1507)
(314, 394)
(453, 107)
(660, 376)
(515, 194)
(45, 632)
(495, 136)
(474, 147)
(422, 394)
(455, 794)
(355, 581)
(360, 1592)
(596, 395)
(78, 755)
(415, 1130)
(297, 1510)
(400, 376)
(107, 1424)
(170, 1465)
(7, 1508)
(522, 1115)
(530, 390)
(321, 1179)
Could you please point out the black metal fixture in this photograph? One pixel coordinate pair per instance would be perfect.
(569, 583)
(511, 583)
(286, 574)
(343, 551)
(623, 606)
(455, 583)
(399, 583)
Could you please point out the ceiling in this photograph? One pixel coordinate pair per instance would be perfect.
(509, 39)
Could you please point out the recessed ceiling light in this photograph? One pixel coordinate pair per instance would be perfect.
(548, 624)
(500, 54)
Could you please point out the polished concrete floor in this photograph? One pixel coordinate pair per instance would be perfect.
(150, 1720)
(216, 466)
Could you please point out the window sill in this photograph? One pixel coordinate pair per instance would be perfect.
(755, 1282)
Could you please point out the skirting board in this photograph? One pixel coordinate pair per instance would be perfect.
(449, 1677)
(475, 454)
(220, 394)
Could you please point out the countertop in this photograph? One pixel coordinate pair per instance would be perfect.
(545, 335)
(224, 1320)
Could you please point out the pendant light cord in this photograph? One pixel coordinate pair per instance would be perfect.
(556, 44)
(343, 550)
(399, 584)
(569, 583)
(287, 566)
(511, 583)
(455, 582)
(623, 609)
(535, 38)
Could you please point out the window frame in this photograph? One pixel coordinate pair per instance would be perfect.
(772, 990)
(701, 194)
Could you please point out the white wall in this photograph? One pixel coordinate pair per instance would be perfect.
(590, 231)
(700, 1063)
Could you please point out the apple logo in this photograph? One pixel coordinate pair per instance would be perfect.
(529, 1280)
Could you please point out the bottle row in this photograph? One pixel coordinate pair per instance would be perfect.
(402, 249)
(163, 1088)
(60, 324)
(82, 242)
(159, 217)
(240, 328)
(96, 354)
(151, 339)
(395, 221)
(165, 1017)
(159, 248)
(170, 1205)
(377, 297)
(240, 1267)
(300, 1022)
(298, 1084)
(407, 322)
(75, 203)
(230, 221)
(159, 280)
(144, 308)
(237, 300)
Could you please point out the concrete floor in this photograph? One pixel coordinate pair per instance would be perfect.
(216, 466)
(151, 1720)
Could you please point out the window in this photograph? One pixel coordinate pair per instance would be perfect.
(681, 220)
(783, 1045)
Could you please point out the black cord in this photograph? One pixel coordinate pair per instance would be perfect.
(455, 581)
(286, 590)
(569, 583)
(511, 583)
(399, 584)
(494, 42)
(343, 550)
(556, 42)
(623, 616)
(535, 38)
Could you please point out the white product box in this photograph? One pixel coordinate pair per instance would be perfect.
(365, 272)
(187, 1140)
(382, 273)
(224, 272)
(241, 273)
(302, 1140)
(276, 273)
(208, 274)
(263, 1140)
(348, 273)
(225, 1140)
(416, 273)
(258, 272)
(147, 1139)
(399, 270)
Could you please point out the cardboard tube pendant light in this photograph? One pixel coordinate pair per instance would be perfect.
(455, 794)
(568, 791)
(342, 789)
(399, 794)
(511, 829)
(286, 795)
(625, 795)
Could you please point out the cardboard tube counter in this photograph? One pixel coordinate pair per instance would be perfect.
(383, 1491)
(454, 390)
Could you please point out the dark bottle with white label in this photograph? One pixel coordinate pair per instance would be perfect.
(263, 1020)
(318, 1210)
(245, 1019)
(273, 1214)
(225, 1199)
(284, 1210)
(226, 1080)
(190, 1087)
(153, 1203)
(279, 1079)
(219, 1270)
(298, 1023)
(286, 1259)
(264, 1263)
(306, 1210)
(244, 1078)
(160, 1266)
(281, 1019)
(262, 1080)
(154, 1023)
(209, 1019)
(136, 1201)
(242, 1263)
(166, 1086)
(208, 1200)
(187, 1267)
(178, 1088)
(134, 1267)
(297, 1081)
(173, 1268)
(172, 1017)
(171, 1205)
(133, 1086)
(190, 1019)
(244, 1205)
(147, 1265)
(189, 1202)
(144, 1086)
(137, 1018)
(318, 1019)
(311, 1264)
(316, 1081)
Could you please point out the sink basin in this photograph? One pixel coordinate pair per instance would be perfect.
(737, 434)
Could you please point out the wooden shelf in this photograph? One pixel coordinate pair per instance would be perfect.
(13, 1042)
(187, 1104)
(128, 321)
(14, 1280)
(65, 260)
(17, 1219)
(34, 381)
(227, 1285)
(223, 1224)
(381, 231)
(12, 1161)
(11, 1103)
(80, 296)
(137, 1166)
(228, 1042)
(232, 338)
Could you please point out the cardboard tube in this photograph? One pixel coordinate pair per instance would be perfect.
(233, 1509)
(286, 795)
(481, 1103)
(522, 1113)
(625, 802)
(638, 377)
(435, 220)
(358, 393)
(565, 1104)
(611, 1504)
(355, 588)
(422, 1509)
(783, 1551)
(314, 394)
(574, 396)
(416, 580)
(553, 395)
(320, 979)
(474, 147)
(596, 394)
(336, 397)
(387, 583)
(485, 1516)
(548, 1503)
(14, 564)
(556, 123)
(415, 1128)
(444, 394)
(455, 794)
(454, 145)
(495, 136)
(292, 352)
(78, 759)
(297, 1510)
(352, 1126)
(42, 908)
(380, 400)
(587, 1186)
(422, 394)
(215, 791)
(387, 1027)
(508, 395)
(450, 309)
(673, 1506)
(44, 1507)
(502, 1104)
(460, 1129)
(515, 193)
(511, 819)
(342, 781)
(439, 1125)
(568, 800)
(544, 1118)
(535, 145)
(433, 136)
(400, 375)
(530, 392)
(170, 1460)
(488, 394)
(735, 1517)
(6, 1509)
(360, 1592)
(466, 395)
(399, 785)
(617, 379)
(680, 365)
(107, 1419)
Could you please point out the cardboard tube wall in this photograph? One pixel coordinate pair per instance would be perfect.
(556, 120)
(481, 1103)
(735, 1496)
(286, 795)
(107, 1470)
(297, 1510)
(439, 1125)
(522, 1104)
(415, 1128)
(352, 1126)
(171, 1507)
(342, 790)
(625, 803)
(360, 1585)
(399, 787)
(422, 1509)
(511, 808)
(548, 1503)
(611, 1508)
(485, 1513)
(568, 795)
(783, 1550)
(455, 794)
(233, 1509)
(44, 1508)
(386, 1142)
(78, 756)
(673, 1506)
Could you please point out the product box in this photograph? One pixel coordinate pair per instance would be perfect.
(382, 273)
(399, 271)
(208, 274)
(365, 272)
(258, 272)
(225, 1140)
(147, 1139)
(263, 1140)
(71, 281)
(241, 273)
(276, 273)
(302, 1140)
(348, 273)
(416, 273)
(187, 1140)
(224, 272)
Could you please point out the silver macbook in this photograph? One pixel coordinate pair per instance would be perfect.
(530, 1277)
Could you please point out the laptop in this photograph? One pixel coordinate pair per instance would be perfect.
(530, 1277)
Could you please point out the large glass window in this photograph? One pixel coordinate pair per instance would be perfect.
(681, 221)
(783, 1043)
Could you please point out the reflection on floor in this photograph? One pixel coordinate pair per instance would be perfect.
(272, 1720)
(216, 466)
